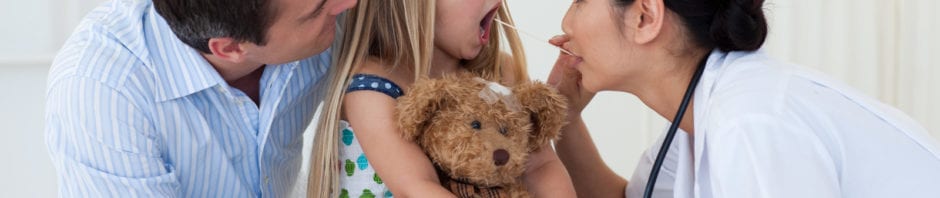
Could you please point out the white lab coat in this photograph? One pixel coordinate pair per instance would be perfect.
(765, 128)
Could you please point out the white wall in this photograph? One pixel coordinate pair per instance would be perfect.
(884, 48)
(32, 31)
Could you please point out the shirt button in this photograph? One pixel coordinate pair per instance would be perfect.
(222, 89)
(267, 180)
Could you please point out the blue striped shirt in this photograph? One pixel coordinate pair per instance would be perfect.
(134, 112)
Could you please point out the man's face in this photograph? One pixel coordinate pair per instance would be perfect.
(301, 28)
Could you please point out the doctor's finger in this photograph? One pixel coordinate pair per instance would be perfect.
(563, 73)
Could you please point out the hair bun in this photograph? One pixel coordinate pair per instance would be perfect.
(739, 25)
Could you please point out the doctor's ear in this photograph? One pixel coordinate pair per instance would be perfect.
(645, 18)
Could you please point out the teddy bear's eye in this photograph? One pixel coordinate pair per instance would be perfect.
(503, 130)
(476, 125)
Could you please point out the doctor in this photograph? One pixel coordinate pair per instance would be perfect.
(754, 127)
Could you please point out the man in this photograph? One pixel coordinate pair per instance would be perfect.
(188, 98)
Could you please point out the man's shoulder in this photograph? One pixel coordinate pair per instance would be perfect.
(119, 21)
(108, 46)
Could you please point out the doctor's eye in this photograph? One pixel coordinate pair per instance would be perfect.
(476, 125)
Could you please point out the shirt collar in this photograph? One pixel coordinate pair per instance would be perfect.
(180, 70)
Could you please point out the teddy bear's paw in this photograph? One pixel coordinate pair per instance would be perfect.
(464, 190)
(518, 191)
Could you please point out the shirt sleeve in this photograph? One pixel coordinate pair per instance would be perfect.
(766, 156)
(101, 143)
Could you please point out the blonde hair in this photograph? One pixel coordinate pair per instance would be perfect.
(401, 33)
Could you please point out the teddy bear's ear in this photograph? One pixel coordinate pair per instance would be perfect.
(546, 108)
(417, 107)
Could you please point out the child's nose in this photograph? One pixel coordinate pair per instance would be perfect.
(500, 157)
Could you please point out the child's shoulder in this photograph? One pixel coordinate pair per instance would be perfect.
(512, 71)
(375, 76)
(399, 75)
(372, 90)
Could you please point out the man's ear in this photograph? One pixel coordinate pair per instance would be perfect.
(646, 18)
(417, 108)
(227, 49)
(547, 110)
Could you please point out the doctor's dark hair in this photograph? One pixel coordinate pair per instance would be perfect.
(729, 25)
(196, 21)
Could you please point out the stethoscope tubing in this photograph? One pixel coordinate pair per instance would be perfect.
(671, 133)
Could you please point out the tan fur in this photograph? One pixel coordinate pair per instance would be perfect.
(437, 114)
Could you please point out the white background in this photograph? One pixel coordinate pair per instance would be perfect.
(887, 49)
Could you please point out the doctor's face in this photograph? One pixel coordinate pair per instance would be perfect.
(607, 58)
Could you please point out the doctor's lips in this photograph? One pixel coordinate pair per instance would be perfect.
(533, 36)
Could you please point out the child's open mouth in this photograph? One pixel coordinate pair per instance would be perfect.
(486, 24)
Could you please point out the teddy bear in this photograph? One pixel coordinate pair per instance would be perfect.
(478, 133)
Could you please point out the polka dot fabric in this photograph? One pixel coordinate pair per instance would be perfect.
(358, 178)
(366, 82)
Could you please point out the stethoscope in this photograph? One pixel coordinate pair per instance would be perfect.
(658, 164)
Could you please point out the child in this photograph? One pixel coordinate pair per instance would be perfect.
(386, 46)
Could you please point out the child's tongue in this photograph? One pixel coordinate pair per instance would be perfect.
(485, 33)
(485, 26)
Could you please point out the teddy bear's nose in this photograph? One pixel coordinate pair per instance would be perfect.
(500, 157)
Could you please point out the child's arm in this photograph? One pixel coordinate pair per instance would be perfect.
(401, 164)
(546, 175)
(591, 176)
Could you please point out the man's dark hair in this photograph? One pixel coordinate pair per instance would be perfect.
(196, 21)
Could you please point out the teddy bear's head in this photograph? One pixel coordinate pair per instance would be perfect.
(479, 131)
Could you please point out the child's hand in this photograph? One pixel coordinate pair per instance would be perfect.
(567, 79)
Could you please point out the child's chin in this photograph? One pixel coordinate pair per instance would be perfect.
(473, 55)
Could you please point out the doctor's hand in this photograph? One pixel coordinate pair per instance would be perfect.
(567, 79)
